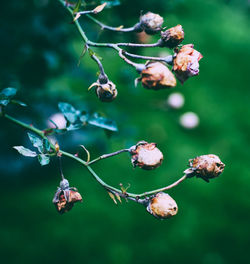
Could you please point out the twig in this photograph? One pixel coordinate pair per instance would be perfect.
(116, 47)
(140, 198)
(105, 156)
(117, 29)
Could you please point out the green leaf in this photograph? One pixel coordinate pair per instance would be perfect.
(46, 145)
(25, 152)
(4, 102)
(99, 121)
(68, 111)
(6, 94)
(17, 102)
(78, 5)
(36, 142)
(43, 159)
(74, 126)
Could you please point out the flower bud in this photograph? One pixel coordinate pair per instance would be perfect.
(172, 37)
(151, 23)
(186, 62)
(162, 206)
(146, 155)
(65, 197)
(205, 167)
(106, 92)
(105, 89)
(157, 76)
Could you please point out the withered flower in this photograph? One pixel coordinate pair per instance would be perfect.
(186, 62)
(205, 167)
(105, 90)
(157, 76)
(146, 155)
(151, 23)
(65, 197)
(162, 206)
(172, 37)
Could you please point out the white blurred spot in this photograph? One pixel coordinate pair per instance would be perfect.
(58, 119)
(175, 100)
(189, 120)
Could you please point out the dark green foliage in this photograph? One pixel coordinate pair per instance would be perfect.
(76, 118)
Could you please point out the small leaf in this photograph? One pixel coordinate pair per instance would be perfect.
(4, 102)
(102, 122)
(74, 126)
(124, 190)
(82, 54)
(91, 52)
(69, 112)
(78, 5)
(99, 8)
(46, 145)
(8, 92)
(36, 142)
(111, 195)
(118, 197)
(43, 159)
(17, 102)
(25, 152)
(120, 27)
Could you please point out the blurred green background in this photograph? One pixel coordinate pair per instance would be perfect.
(39, 53)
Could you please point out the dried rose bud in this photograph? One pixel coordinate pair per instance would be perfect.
(105, 89)
(157, 76)
(186, 62)
(205, 167)
(65, 197)
(106, 92)
(151, 23)
(162, 206)
(172, 37)
(146, 155)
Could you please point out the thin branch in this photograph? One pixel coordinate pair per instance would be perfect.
(116, 47)
(105, 156)
(141, 45)
(60, 166)
(140, 198)
(96, 59)
(117, 29)
(164, 188)
(168, 59)
(138, 66)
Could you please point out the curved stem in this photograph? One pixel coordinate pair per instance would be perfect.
(117, 29)
(95, 58)
(137, 66)
(164, 188)
(140, 198)
(105, 156)
(167, 59)
(24, 125)
(141, 45)
(116, 46)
